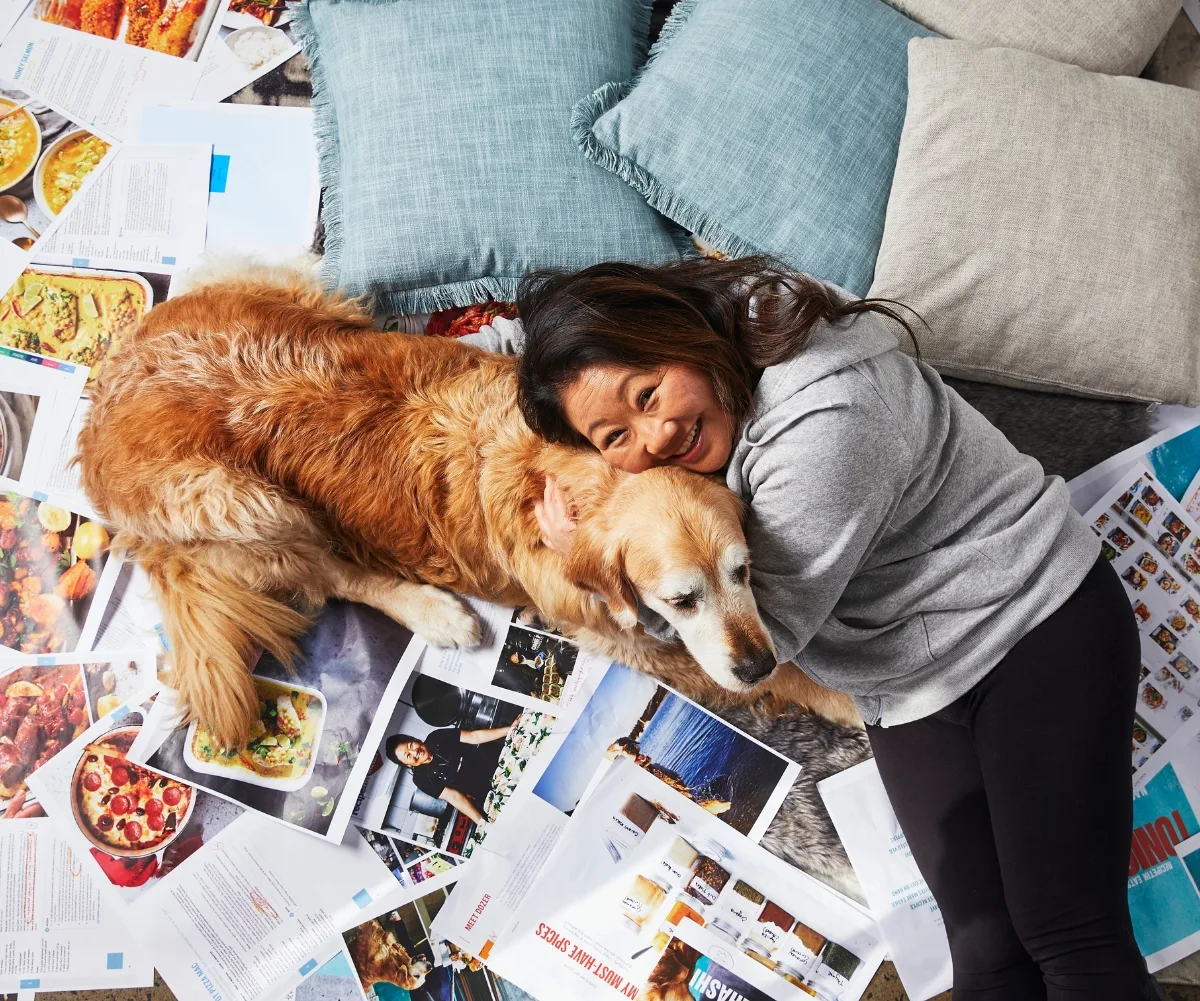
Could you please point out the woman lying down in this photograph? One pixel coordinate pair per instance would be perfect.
(905, 553)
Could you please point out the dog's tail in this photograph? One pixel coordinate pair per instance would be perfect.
(214, 623)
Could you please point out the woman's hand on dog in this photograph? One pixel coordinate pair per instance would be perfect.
(554, 518)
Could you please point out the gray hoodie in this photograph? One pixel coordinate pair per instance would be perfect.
(901, 546)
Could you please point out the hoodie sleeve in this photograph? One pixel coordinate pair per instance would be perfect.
(822, 491)
(501, 336)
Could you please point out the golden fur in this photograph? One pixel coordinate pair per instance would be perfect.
(258, 448)
(380, 958)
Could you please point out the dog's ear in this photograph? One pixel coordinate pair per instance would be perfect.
(600, 570)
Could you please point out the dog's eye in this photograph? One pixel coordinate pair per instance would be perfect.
(684, 602)
(742, 574)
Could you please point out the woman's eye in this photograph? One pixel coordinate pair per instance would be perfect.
(612, 438)
(644, 397)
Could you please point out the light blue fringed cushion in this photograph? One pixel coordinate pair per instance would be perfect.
(447, 160)
(765, 126)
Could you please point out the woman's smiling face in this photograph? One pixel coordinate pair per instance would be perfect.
(639, 419)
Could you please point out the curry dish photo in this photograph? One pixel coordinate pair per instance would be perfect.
(20, 143)
(72, 316)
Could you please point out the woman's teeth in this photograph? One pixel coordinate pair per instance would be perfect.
(691, 441)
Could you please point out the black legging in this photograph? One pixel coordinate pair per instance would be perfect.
(1017, 803)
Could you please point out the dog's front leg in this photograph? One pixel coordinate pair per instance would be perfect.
(437, 616)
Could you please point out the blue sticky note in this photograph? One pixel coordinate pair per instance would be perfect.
(38, 496)
(362, 898)
(30, 985)
(220, 173)
(168, 260)
(116, 961)
(45, 661)
(79, 262)
(308, 967)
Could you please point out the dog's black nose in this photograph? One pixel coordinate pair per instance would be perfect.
(754, 668)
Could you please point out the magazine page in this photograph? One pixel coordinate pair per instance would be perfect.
(56, 161)
(411, 863)
(97, 62)
(257, 36)
(48, 701)
(629, 716)
(908, 917)
(450, 760)
(1155, 548)
(56, 574)
(226, 900)
(146, 213)
(132, 617)
(61, 933)
(264, 192)
(1163, 901)
(37, 398)
(319, 724)
(637, 861)
(517, 659)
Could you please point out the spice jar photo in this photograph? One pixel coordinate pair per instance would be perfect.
(627, 827)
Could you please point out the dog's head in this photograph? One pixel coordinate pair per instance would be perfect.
(380, 957)
(675, 540)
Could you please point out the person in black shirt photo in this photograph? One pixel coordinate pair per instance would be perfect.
(450, 764)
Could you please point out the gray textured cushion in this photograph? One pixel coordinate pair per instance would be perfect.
(446, 155)
(1045, 221)
(1108, 36)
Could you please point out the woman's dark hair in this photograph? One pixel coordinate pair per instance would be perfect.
(696, 312)
(394, 741)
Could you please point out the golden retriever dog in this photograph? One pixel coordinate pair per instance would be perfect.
(669, 979)
(259, 448)
(380, 958)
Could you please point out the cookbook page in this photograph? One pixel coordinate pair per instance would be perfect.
(147, 213)
(55, 161)
(37, 398)
(61, 933)
(909, 918)
(629, 716)
(224, 899)
(98, 65)
(319, 724)
(1155, 548)
(637, 861)
(257, 36)
(48, 701)
(265, 191)
(450, 760)
(56, 572)
(519, 659)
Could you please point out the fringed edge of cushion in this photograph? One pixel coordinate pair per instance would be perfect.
(325, 129)
(436, 297)
(676, 208)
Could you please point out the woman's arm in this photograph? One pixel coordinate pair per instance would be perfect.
(484, 736)
(462, 803)
(822, 492)
(502, 336)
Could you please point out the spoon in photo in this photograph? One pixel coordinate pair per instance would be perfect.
(13, 209)
(16, 107)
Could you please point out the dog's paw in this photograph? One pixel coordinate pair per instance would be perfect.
(445, 621)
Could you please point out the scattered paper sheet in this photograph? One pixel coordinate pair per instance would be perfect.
(410, 863)
(257, 37)
(637, 861)
(51, 700)
(147, 212)
(320, 724)
(37, 397)
(629, 716)
(54, 165)
(264, 192)
(132, 617)
(244, 915)
(518, 660)
(100, 80)
(909, 918)
(1155, 548)
(61, 933)
(450, 757)
(66, 574)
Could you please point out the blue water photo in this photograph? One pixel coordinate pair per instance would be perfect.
(1176, 461)
(711, 762)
